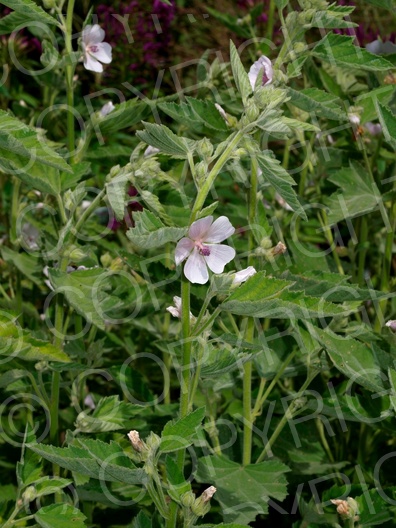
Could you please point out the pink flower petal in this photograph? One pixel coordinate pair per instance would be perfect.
(195, 268)
(92, 64)
(220, 255)
(103, 52)
(93, 35)
(199, 228)
(219, 230)
(183, 249)
(262, 64)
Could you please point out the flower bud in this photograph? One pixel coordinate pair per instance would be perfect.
(279, 249)
(49, 4)
(347, 509)
(138, 445)
(201, 505)
(201, 170)
(205, 148)
(252, 111)
(266, 243)
(29, 494)
(188, 499)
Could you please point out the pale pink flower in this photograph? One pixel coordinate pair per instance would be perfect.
(202, 249)
(243, 275)
(391, 324)
(107, 109)
(264, 65)
(176, 310)
(94, 49)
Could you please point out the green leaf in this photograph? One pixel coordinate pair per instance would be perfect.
(32, 160)
(262, 296)
(29, 469)
(60, 516)
(49, 485)
(340, 50)
(353, 358)
(27, 264)
(149, 232)
(358, 194)
(141, 521)
(166, 141)
(318, 102)
(87, 291)
(207, 114)
(392, 381)
(15, 342)
(115, 191)
(30, 10)
(109, 415)
(377, 512)
(250, 486)
(177, 484)
(95, 459)
(281, 4)
(240, 76)
(279, 178)
(388, 123)
(124, 115)
(367, 101)
(178, 434)
(332, 18)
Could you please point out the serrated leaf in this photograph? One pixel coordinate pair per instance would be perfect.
(124, 115)
(178, 434)
(392, 381)
(358, 195)
(15, 342)
(149, 232)
(267, 297)
(368, 100)
(177, 484)
(340, 50)
(49, 485)
(110, 414)
(251, 485)
(353, 358)
(318, 102)
(115, 192)
(87, 291)
(141, 521)
(30, 10)
(279, 178)
(26, 263)
(207, 114)
(95, 459)
(60, 516)
(332, 18)
(161, 137)
(388, 122)
(240, 76)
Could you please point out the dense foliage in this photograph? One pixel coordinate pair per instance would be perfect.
(197, 302)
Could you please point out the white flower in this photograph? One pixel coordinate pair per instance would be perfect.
(264, 65)
(354, 118)
(95, 50)
(106, 109)
(150, 151)
(243, 275)
(391, 324)
(202, 249)
(176, 310)
(221, 111)
(373, 128)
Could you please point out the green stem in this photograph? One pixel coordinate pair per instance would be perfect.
(277, 377)
(270, 25)
(88, 211)
(69, 77)
(14, 210)
(204, 191)
(286, 417)
(363, 249)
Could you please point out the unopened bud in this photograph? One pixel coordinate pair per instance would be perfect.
(49, 4)
(201, 505)
(252, 112)
(29, 494)
(205, 148)
(279, 249)
(266, 243)
(347, 509)
(137, 444)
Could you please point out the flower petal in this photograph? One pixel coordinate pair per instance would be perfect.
(260, 64)
(102, 53)
(93, 34)
(174, 311)
(91, 64)
(243, 275)
(183, 249)
(219, 230)
(195, 268)
(220, 255)
(199, 228)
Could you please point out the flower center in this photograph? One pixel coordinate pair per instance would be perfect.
(265, 78)
(203, 250)
(94, 48)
